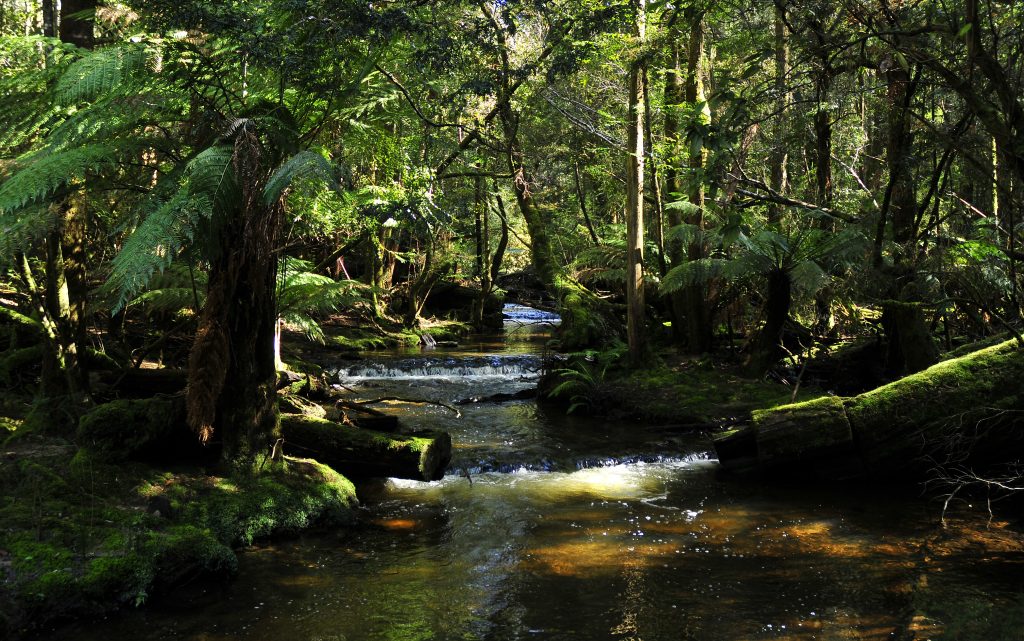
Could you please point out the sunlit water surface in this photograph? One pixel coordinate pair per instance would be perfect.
(549, 527)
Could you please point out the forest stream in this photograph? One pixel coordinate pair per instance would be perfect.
(557, 527)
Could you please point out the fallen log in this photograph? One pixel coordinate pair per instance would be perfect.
(154, 429)
(968, 410)
(360, 453)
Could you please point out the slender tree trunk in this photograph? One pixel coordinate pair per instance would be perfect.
(698, 308)
(582, 197)
(675, 94)
(779, 155)
(635, 199)
(823, 143)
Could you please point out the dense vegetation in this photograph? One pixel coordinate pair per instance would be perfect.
(181, 181)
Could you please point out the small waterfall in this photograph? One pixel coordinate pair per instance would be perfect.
(513, 367)
(528, 315)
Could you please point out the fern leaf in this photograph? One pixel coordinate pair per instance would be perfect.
(171, 299)
(694, 272)
(18, 230)
(211, 176)
(154, 245)
(44, 173)
(303, 164)
(100, 72)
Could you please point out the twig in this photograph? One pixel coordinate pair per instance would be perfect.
(419, 401)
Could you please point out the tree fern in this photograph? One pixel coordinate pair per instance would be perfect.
(691, 273)
(211, 176)
(19, 229)
(602, 264)
(302, 295)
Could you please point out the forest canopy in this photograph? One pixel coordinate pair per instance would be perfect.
(707, 174)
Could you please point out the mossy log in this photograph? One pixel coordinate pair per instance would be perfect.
(965, 410)
(154, 429)
(360, 453)
(141, 429)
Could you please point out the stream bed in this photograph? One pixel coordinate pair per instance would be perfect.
(556, 527)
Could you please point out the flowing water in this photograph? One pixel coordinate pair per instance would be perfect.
(552, 527)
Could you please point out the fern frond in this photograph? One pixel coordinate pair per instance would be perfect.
(685, 235)
(19, 229)
(692, 273)
(306, 163)
(211, 176)
(809, 276)
(171, 299)
(41, 174)
(101, 71)
(154, 245)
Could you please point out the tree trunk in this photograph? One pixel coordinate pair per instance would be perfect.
(635, 201)
(766, 348)
(911, 348)
(232, 379)
(779, 155)
(74, 27)
(698, 308)
(674, 97)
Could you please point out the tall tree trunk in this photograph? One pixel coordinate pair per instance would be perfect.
(902, 198)
(779, 154)
(674, 96)
(823, 142)
(698, 309)
(635, 199)
(76, 25)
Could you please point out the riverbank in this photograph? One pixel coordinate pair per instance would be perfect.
(700, 393)
(80, 538)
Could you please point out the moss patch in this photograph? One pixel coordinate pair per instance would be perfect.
(80, 536)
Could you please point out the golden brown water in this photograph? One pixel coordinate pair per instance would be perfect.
(655, 551)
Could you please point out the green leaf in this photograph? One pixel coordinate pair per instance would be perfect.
(305, 163)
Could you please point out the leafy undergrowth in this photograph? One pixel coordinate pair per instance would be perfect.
(79, 537)
(698, 392)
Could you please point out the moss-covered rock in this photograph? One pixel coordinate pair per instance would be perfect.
(80, 537)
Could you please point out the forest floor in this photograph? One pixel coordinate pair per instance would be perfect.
(80, 537)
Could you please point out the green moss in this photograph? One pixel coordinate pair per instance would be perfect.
(80, 541)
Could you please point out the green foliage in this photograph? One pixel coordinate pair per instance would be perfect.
(41, 173)
(303, 295)
(304, 164)
(581, 381)
(102, 71)
(157, 241)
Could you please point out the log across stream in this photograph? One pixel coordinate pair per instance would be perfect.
(574, 528)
